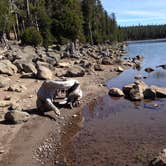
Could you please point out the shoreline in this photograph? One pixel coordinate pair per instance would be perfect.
(38, 141)
(27, 146)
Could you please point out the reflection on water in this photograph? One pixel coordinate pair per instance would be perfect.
(117, 131)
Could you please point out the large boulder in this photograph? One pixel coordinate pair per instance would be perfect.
(4, 81)
(160, 92)
(16, 116)
(6, 67)
(116, 92)
(25, 66)
(75, 71)
(44, 73)
(160, 160)
(29, 68)
(55, 56)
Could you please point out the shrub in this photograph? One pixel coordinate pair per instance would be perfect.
(31, 37)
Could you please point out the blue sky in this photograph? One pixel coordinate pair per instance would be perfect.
(134, 12)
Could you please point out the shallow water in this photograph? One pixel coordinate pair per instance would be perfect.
(116, 131)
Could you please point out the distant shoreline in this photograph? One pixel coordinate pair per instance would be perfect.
(147, 41)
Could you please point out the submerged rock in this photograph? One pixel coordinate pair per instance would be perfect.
(16, 88)
(116, 92)
(162, 66)
(149, 70)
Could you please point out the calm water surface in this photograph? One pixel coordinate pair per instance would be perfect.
(116, 131)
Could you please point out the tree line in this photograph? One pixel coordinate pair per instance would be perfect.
(144, 32)
(58, 21)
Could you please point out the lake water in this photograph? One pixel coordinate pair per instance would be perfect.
(116, 131)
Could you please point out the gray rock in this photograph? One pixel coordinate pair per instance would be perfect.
(98, 67)
(16, 88)
(29, 68)
(4, 81)
(126, 89)
(136, 93)
(149, 70)
(160, 160)
(16, 116)
(160, 92)
(75, 71)
(6, 67)
(142, 85)
(115, 92)
(139, 57)
(149, 93)
(44, 73)
(138, 77)
(162, 66)
(106, 61)
(5, 103)
(85, 64)
(119, 69)
(55, 56)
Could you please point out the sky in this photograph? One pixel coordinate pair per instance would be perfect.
(135, 12)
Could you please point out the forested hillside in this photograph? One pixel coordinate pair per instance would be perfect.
(58, 21)
(144, 32)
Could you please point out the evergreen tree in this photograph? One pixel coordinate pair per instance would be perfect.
(67, 20)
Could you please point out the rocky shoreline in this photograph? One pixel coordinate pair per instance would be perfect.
(23, 69)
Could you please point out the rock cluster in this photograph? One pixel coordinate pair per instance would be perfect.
(44, 64)
(138, 91)
(40, 63)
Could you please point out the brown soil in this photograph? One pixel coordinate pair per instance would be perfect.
(38, 142)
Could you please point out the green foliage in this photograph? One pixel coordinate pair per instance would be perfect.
(67, 20)
(31, 37)
(58, 21)
(4, 15)
(144, 32)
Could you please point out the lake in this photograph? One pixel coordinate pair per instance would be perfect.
(116, 131)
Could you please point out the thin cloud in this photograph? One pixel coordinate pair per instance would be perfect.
(143, 13)
(137, 19)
